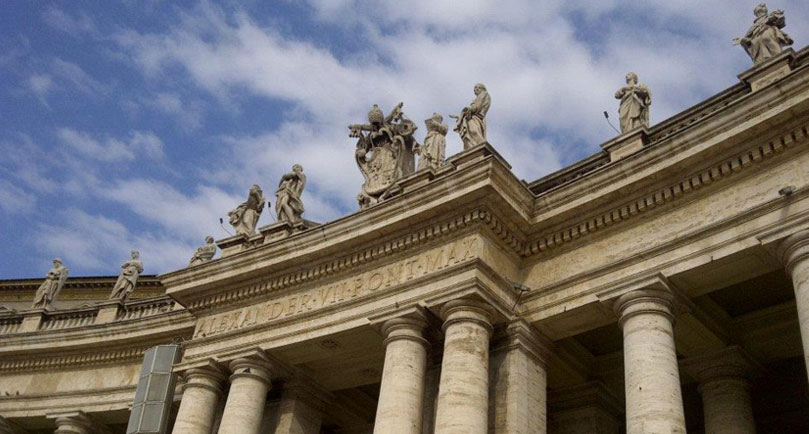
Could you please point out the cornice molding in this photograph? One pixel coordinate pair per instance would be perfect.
(673, 192)
(480, 217)
(71, 361)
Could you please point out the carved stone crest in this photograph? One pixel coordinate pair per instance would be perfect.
(384, 152)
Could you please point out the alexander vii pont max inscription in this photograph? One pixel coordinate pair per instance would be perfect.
(342, 291)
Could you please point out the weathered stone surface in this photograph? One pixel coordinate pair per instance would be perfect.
(288, 202)
(54, 281)
(470, 124)
(244, 217)
(128, 279)
(635, 101)
(765, 38)
(204, 254)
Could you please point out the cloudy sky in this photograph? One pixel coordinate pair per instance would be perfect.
(138, 124)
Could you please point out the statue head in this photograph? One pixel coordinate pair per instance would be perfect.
(297, 168)
(255, 189)
(760, 10)
(57, 262)
(479, 87)
(209, 239)
(135, 254)
(632, 78)
(375, 116)
(434, 121)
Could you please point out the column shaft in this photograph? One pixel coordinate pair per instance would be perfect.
(794, 252)
(244, 408)
(401, 396)
(463, 391)
(727, 406)
(654, 400)
(198, 405)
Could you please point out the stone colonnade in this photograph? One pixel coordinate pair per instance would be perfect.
(508, 397)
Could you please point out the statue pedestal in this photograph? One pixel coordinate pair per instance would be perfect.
(108, 311)
(475, 154)
(280, 230)
(626, 144)
(233, 245)
(770, 71)
(31, 320)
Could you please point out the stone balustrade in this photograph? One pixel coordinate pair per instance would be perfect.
(101, 313)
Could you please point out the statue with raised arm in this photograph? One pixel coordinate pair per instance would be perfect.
(765, 39)
(245, 216)
(431, 154)
(204, 254)
(130, 271)
(471, 123)
(50, 288)
(288, 203)
(635, 101)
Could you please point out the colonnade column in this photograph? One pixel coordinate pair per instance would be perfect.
(654, 400)
(463, 391)
(794, 252)
(301, 408)
(72, 423)
(203, 387)
(519, 380)
(725, 390)
(401, 395)
(244, 407)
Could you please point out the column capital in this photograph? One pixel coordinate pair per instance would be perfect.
(74, 422)
(519, 333)
(207, 376)
(255, 365)
(409, 323)
(730, 362)
(467, 310)
(639, 301)
(794, 248)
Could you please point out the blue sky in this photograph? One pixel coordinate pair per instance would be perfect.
(138, 124)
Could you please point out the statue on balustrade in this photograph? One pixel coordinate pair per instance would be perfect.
(471, 123)
(50, 288)
(765, 39)
(385, 152)
(245, 216)
(205, 253)
(130, 271)
(635, 101)
(288, 203)
(431, 154)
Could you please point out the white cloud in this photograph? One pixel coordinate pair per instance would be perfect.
(96, 243)
(41, 85)
(15, 200)
(77, 77)
(110, 149)
(70, 24)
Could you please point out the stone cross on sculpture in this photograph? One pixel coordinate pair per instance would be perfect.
(765, 39)
(130, 271)
(288, 203)
(244, 217)
(50, 288)
(471, 123)
(635, 101)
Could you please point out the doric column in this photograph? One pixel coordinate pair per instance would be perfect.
(244, 407)
(463, 391)
(654, 400)
(401, 395)
(725, 390)
(72, 423)
(794, 252)
(301, 408)
(203, 387)
(518, 389)
(587, 408)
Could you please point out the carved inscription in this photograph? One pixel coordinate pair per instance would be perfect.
(341, 291)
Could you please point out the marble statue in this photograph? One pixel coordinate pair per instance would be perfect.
(471, 123)
(384, 153)
(245, 216)
(635, 101)
(204, 254)
(431, 154)
(288, 203)
(50, 288)
(130, 271)
(765, 38)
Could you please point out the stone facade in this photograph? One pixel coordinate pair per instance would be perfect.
(659, 286)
